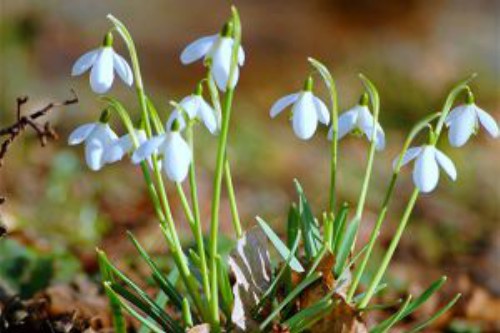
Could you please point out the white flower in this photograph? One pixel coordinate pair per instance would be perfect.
(426, 168)
(98, 137)
(175, 152)
(124, 145)
(307, 110)
(196, 108)
(464, 120)
(217, 48)
(359, 118)
(104, 61)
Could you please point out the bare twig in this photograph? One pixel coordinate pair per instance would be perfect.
(44, 132)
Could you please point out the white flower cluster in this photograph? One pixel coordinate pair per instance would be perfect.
(463, 121)
(103, 146)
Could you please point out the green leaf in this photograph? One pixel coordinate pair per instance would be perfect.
(435, 286)
(339, 226)
(290, 297)
(429, 321)
(310, 228)
(388, 323)
(164, 284)
(186, 313)
(225, 287)
(157, 123)
(147, 322)
(282, 249)
(119, 323)
(345, 247)
(293, 225)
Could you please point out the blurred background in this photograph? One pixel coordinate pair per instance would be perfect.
(58, 211)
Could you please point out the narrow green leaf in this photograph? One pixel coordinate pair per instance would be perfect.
(282, 249)
(435, 286)
(345, 247)
(339, 226)
(225, 287)
(360, 296)
(290, 297)
(308, 224)
(157, 123)
(429, 321)
(158, 276)
(306, 315)
(145, 321)
(119, 323)
(186, 313)
(293, 226)
(391, 321)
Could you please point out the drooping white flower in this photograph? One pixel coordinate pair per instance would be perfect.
(426, 168)
(195, 107)
(175, 153)
(218, 50)
(464, 120)
(359, 118)
(125, 145)
(103, 61)
(307, 110)
(97, 137)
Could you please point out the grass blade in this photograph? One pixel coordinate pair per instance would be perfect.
(429, 321)
(345, 247)
(282, 249)
(391, 321)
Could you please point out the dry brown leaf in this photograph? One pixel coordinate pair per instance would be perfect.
(251, 267)
(203, 328)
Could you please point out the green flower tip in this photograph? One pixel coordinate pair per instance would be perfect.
(364, 99)
(108, 39)
(469, 97)
(199, 89)
(176, 125)
(105, 115)
(308, 84)
(227, 29)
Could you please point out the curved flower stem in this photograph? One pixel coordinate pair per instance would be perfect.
(332, 89)
(176, 247)
(385, 203)
(219, 169)
(232, 200)
(198, 231)
(409, 208)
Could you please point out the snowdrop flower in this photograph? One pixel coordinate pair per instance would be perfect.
(307, 110)
(218, 50)
(175, 152)
(426, 169)
(124, 145)
(195, 107)
(97, 137)
(464, 120)
(104, 61)
(359, 119)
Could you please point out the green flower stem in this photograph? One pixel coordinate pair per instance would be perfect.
(185, 204)
(450, 99)
(232, 200)
(390, 251)
(198, 232)
(385, 203)
(219, 169)
(332, 89)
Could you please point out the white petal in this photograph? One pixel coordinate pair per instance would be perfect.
(102, 74)
(191, 104)
(447, 164)
(454, 113)
(488, 122)
(461, 127)
(379, 138)
(347, 122)
(207, 114)
(241, 56)
(118, 149)
(147, 149)
(221, 62)
(322, 110)
(176, 115)
(84, 62)
(409, 155)
(177, 157)
(365, 121)
(94, 152)
(426, 172)
(304, 116)
(80, 134)
(123, 69)
(197, 49)
(283, 103)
